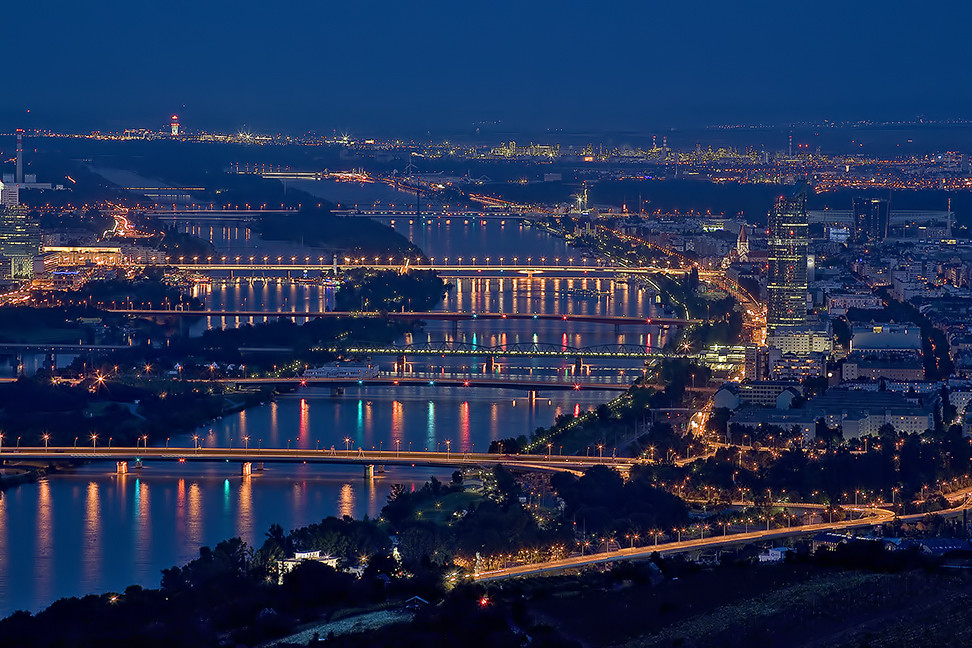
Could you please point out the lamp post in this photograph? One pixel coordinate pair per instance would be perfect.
(46, 439)
(347, 445)
(94, 441)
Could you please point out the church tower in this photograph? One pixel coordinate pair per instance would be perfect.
(742, 244)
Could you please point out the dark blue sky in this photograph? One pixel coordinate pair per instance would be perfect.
(639, 65)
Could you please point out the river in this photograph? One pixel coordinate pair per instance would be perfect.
(90, 531)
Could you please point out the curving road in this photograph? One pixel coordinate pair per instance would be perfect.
(876, 516)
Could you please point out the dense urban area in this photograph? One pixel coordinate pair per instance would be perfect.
(776, 323)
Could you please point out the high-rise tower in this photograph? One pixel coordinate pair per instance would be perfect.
(19, 178)
(871, 218)
(786, 286)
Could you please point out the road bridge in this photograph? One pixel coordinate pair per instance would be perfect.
(445, 268)
(60, 347)
(336, 456)
(531, 384)
(411, 316)
(528, 350)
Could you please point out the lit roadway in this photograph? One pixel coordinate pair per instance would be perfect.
(411, 316)
(511, 382)
(875, 517)
(504, 269)
(341, 456)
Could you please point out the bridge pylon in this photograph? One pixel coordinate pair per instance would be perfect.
(369, 471)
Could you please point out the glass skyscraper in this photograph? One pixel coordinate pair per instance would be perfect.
(787, 254)
(19, 241)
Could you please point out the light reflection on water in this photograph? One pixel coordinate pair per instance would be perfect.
(378, 418)
(116, 530)
(93, 531)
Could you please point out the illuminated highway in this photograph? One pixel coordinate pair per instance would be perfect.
(340, 456)
(617, 320)
(446, 269)
(872, 517)
(532, 383)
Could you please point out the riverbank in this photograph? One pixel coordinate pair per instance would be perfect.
(11, 476)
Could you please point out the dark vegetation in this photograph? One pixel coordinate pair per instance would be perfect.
(436, 524)
(295, 345)
(354, 237)
(608, 506)
(33, 407)
(911, 464)
(146, 291)
(25, 324)
(722, 321)
(90, 220)
(390, 290)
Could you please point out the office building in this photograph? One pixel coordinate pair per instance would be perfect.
(20, 156)
(786, 286)
(19, 241)
(9, 194)
(871, 219)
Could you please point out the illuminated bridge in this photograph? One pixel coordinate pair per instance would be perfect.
(411, 316)
(500, 269)
(532, 384)
(126, 457)
(620, 351)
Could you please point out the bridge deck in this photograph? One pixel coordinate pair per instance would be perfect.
(413, 316)
(338, 456)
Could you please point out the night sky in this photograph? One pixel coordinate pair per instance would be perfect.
(294, 65)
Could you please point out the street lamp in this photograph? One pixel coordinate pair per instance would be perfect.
(448, 447)
(94, 441)
(347, 445)
(46, 439)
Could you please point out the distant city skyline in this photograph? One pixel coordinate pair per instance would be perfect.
(444, 67)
